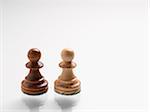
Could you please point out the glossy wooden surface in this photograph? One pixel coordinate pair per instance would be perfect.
(67, 83)
(34, 83)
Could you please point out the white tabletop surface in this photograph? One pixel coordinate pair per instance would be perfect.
(109, 41)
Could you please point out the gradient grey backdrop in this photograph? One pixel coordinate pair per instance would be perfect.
(109, 40)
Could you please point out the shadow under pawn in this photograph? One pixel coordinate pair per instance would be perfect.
(67, 102)
(34, 102)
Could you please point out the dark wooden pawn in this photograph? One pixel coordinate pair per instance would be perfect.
(34, 83)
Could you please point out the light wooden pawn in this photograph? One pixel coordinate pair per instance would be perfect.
(67, 83)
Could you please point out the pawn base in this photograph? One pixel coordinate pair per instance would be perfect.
(67, 87)
(34, 87)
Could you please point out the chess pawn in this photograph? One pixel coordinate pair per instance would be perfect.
(67, 83)
(34, 83)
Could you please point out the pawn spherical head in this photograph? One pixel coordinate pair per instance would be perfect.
(67, 55)
(34, 54)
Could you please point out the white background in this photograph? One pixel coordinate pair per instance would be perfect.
(108, 37)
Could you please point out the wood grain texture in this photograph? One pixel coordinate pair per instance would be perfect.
(67, 83)
(34, 83)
